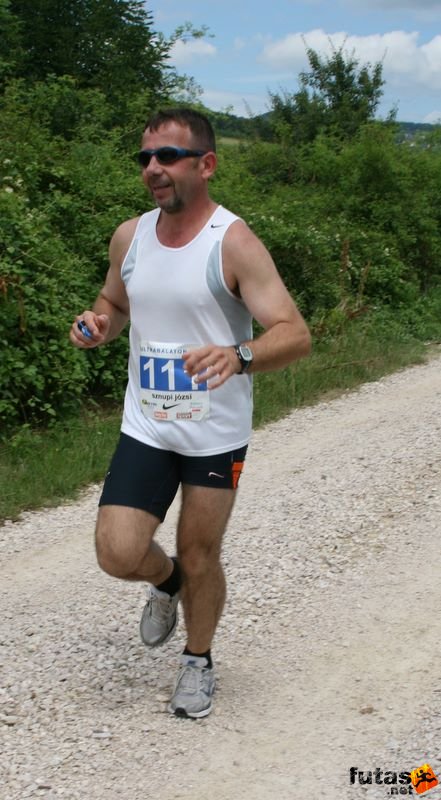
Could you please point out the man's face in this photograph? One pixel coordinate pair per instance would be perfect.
(173, 185)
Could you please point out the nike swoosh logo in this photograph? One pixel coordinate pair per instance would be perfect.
(215, 475)
(173, 405)
(218, 226)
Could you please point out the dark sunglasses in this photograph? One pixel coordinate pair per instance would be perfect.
(167, 155)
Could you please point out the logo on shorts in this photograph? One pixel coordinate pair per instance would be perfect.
(236, 472)
(215, 475)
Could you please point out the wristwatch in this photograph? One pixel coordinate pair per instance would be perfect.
(245, 357)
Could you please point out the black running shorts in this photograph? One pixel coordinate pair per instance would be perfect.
(146, 477)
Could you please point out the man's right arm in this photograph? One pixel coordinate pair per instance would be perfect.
(110, 312)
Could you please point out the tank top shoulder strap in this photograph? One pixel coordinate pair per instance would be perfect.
(220, 222)
(146, 223)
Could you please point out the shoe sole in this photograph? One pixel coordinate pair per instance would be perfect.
(183, 714)
(162, 641)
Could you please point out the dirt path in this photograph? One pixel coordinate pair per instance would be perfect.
(328, 653)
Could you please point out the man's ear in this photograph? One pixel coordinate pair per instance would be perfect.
(208, 164)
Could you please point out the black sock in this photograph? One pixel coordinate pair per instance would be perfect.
(206, 655)
(173, 582)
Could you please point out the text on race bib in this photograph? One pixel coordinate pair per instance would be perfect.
(166, 391)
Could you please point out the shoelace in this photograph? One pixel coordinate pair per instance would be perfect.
(191, 678)
(159, 607)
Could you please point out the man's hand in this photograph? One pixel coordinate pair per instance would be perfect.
(97, 325)
(212, 363)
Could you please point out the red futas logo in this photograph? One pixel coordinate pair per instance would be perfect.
(423, 778)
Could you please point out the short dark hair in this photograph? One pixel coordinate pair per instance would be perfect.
(200, 126)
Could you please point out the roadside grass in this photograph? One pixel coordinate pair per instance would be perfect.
(48, 466)
(354, 357)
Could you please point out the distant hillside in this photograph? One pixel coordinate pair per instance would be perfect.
(408, 130)
(229, 125)
(232, 126)
(417, 127)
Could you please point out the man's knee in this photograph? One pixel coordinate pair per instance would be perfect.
(115, 562)
(197, 560)
(115, 554)
(123, 540)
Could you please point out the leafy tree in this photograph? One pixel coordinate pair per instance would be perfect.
(105, 44)
(10, 48)
(336, 95)
(60, 200)
(351, 216)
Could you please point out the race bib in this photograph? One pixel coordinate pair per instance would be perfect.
(166, 391)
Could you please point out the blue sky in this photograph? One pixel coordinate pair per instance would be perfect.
(256, 47)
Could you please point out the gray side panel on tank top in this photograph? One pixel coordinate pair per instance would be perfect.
(236, 314)
(129, 261)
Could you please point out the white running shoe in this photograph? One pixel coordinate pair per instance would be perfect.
(159, 618)
(194, 688)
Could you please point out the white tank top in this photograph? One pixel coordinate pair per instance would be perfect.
(179, 299)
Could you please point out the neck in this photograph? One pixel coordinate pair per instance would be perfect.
(176, 230)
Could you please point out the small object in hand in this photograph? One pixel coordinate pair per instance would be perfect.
(84, 329)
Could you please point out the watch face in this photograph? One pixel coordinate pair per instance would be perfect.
(246, 352)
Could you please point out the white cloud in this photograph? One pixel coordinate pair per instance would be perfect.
(405, 61)
(290, 52)
(434, 117)
(184, 52)
(239, 43)
(242, 104)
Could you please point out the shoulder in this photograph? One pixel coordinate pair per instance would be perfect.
(242, 248)
(125, 231)
(121, 239)
(239, 232)
(245, 258)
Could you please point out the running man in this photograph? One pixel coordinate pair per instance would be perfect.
(190, 276)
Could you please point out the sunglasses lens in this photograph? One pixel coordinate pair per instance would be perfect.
(144, 158)
(164, 155)
(167, 155)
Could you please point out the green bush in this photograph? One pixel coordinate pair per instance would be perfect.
(60, 200)
(357, 222)
(39, 372)
(353, 227)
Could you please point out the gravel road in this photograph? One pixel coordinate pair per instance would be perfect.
(327, 654)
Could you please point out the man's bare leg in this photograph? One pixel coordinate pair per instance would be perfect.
(125, 546)
(203, 520)
(125, 549)
(204, 517)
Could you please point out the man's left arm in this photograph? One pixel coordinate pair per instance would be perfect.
(250, 271)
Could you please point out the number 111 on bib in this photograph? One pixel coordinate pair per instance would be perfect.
(167, 375)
